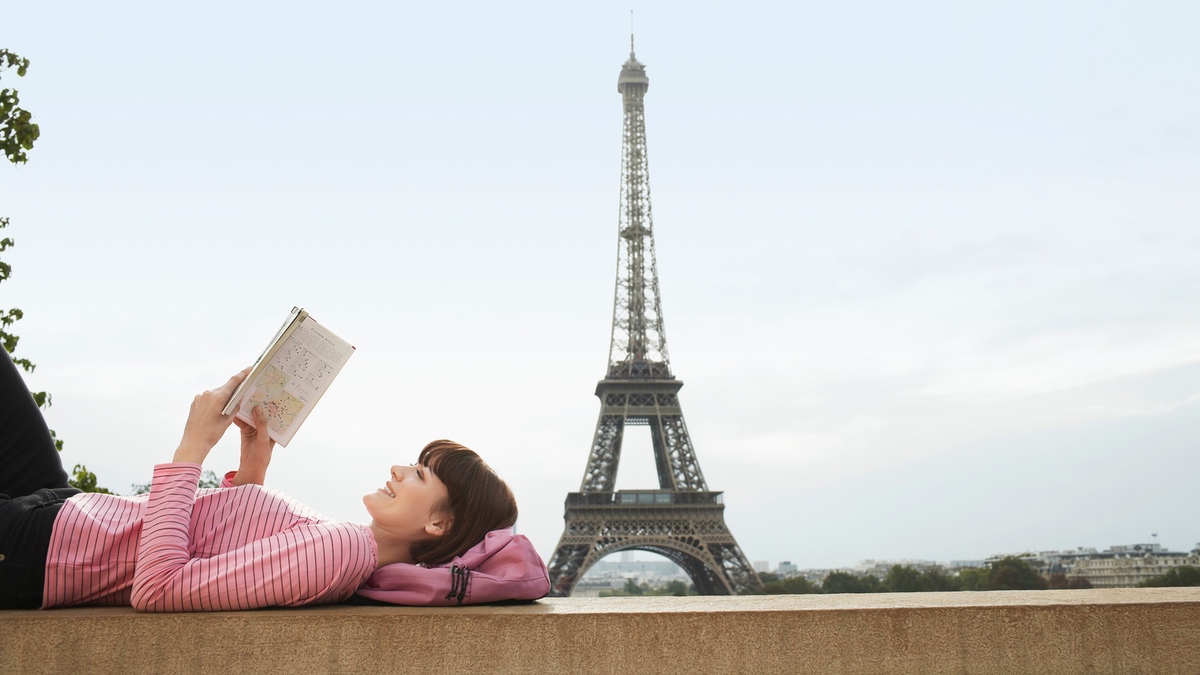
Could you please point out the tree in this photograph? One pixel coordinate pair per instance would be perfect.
(844, 582)
(17, 129)
(1014, 574)
(17, 134)
(85, 480)
(790, 586)
(1185, 575)
(675, 587)
(632, 587)
(905, 579)
(941, 582)
(975, 578)
(1060, 580)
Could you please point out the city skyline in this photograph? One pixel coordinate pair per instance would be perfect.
(929, 272)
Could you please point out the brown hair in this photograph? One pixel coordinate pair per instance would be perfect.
(479, 501)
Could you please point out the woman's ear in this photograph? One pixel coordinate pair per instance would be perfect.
(439, 525)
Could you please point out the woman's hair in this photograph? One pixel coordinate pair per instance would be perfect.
(478, 501)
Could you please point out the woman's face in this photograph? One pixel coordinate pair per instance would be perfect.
(405, 506)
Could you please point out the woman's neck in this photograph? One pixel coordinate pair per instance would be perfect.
(389, 550)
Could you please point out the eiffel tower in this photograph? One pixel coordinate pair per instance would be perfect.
(682, 520)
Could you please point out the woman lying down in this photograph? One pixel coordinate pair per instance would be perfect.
(243, 546)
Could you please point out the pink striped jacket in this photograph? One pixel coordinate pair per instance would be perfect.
(181, 549)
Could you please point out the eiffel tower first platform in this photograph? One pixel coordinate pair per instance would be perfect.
(682, 520)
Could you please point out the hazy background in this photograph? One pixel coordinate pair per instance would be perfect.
(929, 271)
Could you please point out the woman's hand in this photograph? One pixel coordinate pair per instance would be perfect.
(205, 423)
(256, 449)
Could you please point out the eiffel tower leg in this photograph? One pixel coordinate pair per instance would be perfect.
(601, 472)
(678, 454)
(738, 572)
(700, 567)
(565, 568)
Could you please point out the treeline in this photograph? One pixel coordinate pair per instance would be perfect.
(632, 587)
(1007, 574)
(1184, 575)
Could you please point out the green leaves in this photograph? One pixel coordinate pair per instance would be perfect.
(9, 60)
(85, 480)
(789, 586)
(10, 341)
(17, 129)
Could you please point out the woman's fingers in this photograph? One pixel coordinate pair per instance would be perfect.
(206, 423)
(260, 422)
(233, 382)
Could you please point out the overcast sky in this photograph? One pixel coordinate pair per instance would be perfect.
(929, 270)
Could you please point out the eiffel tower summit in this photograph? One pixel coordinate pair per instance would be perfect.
(682, 520)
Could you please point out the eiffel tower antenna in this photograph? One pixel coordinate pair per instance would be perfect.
(631, 33)
(682, 520)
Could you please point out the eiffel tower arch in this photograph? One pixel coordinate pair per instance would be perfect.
(682, 519)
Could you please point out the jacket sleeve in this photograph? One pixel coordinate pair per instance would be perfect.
(310, 562)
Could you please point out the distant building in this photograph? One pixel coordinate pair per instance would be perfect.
(1127, 566)
(653, 572)
(1122, 566)
(591, 587)
(786, 567)
(762, 566)
(880, 568)
(816, 575)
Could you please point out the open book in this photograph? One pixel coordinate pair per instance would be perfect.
(291, 375)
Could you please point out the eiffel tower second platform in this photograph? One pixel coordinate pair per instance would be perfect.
(686, 526)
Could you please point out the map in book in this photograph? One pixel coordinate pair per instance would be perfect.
(280, 407)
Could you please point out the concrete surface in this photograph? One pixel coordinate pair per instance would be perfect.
(1151, 630)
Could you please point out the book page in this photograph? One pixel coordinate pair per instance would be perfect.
(295, 378)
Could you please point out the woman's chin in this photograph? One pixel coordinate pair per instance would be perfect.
(375, 499)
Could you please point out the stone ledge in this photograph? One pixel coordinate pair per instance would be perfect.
(1101, 631)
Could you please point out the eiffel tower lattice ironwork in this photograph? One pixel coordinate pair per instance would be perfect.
(683, 520)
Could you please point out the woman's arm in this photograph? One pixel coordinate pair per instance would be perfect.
(205, 424)
(256, 449)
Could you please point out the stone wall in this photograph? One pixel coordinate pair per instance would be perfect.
(1093, 631)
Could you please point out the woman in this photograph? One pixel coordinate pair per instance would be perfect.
(240, 546)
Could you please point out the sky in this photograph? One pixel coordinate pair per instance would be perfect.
(929, 270)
